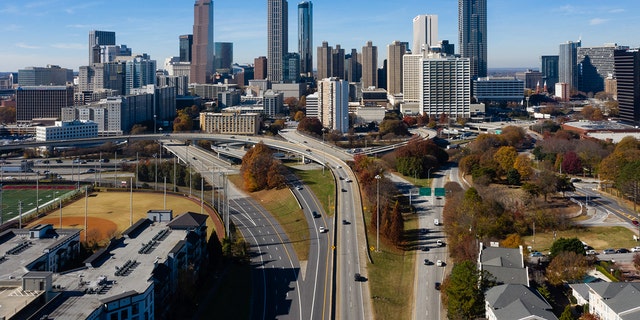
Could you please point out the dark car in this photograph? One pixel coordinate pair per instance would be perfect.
(315, 214)
(425, 248)
(427, 262)
(622, 250)
(345, 222)
(341, 178)
(58, 160)
(635, 222)
(437, 285)
(344, 190)
(358, 277)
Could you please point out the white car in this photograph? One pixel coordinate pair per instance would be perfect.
(439, 263)
(322, 230)
(635, 249)
(439, 243)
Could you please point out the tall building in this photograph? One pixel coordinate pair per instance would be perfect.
(549, 70)
(352, 67)
(277, 38)
(627, 70)
(325, 64)
(595, 65)
(99, 38)
(50, 76)
(291, 68)
(337, 62)
(223, 57)
(203, 44)
(305, 37)
(425, 32)
(446, 86)
(369, 65)
(186, 42)
(472, 34)
(273, 103)
(568, 64)
(411, 77)
(395, 51)
(532, 79)
(333, 104)
(260, 68)
(42, 102)
(140, 71)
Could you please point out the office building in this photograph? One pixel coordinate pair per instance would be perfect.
(180, 83)
(186, 42)
(223, 57)
(382, 75)
(63, 130)
(446, 47)
(425, 33)
(291, 68)
(290, 90)
(203, 44)
(568, 64)
(411, 78)
(42, 102)
(498, 89)
(305, 37)
(337, 62)
(445, 86)
(273, 103)
(230, 123)
(277, 38)
(595, 65)
(325, 64)
(369, 65)
(395, 52)
(52, 75)
(352, 67)
(472, 34)
(549, 70)
(260, 68)
(139, 71)
(532, 79)
(96, 40)
(627, 71)
(333, 104)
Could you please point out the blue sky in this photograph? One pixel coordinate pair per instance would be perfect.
(41, 32)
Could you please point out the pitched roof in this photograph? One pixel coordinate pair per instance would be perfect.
(505, 264)
(188, 220)
(621, 297)
(516, 301)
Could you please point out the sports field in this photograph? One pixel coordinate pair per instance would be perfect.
(29, 197)
(109, 212)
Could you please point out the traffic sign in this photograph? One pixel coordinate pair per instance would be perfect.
(425, 191)
(440, 192)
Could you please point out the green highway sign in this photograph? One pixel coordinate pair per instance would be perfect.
(440, 192)
(425, 191)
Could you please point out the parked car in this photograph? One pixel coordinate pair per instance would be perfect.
(635, 222)
(591, 252)
(635, 249)
(358, 277)
(425, 248)
(436, 222)
(608, 251)
(622, 250)
(535, 254)
(437, 285)
(439, 243)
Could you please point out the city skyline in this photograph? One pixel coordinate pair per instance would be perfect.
(514, 40)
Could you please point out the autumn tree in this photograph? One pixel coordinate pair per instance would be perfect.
(566, 266)
(260, 170)
(628, 180)
(397, 225)
(513, 136)
(310, 125)
(512, 241)
(571, 163)
(505, 157)
(396, 127)
(524, 166)
(7, 115)
(183, 121)
(298, 116)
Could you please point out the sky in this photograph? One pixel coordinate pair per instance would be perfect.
(41, 32)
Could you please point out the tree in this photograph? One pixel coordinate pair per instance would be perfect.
(505, 157)
(524, 166)
(7, 115)
(465, 298)
(636, 260)
(397, 225)
(628, 180)
(138, 129)
(567, 245)
(513, 136)
(310, 125)
(260, 170)
(395, 127)
(545, 182)
(513, 177)
(512, 241)
(183, 121)
(567, 266)
(298, 116)
(571, 163)
(567, 314)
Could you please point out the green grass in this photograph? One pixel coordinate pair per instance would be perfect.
(598, 237)
(322, 186)
(391, 277)
(12, 197)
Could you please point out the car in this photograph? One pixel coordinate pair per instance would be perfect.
(298, 188)
(307, 150)
(635, 222)
(425, 248)
(322, 230)
(341, 178)
(635, 249)
(591, 252)
(344, 190)
(437, 286)
(345, 222)
(348, 180)
(427, 262)
(338, 167)
(439, 243)
(194, 158)
(622, 250)
(440, 263)
(58, 160)
(436, 222)
(305, 141)
(535, 254)
(358, 277)
(45, 161)
(315, 214)
(608, 251)
(424, 231)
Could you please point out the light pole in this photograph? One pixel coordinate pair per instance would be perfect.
(324, 157)
(378, 212)
(155, 160)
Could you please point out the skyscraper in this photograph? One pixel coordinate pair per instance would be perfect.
(333, 103)
(549, 70)
(337, 62)
(186, 41)
(395, 51)
(260, 68)
(325, 64)
(99, 38)
(369, 65)
(568, 64)
(223, 57)
(277, 38)
(446, 86)
(627, 70)
(595, 65)
(305, 37)
(202, 49)
(472, 34)
(352, 67)
(425, 32)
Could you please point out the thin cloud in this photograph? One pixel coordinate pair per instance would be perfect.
(74, 9)
(26, 46)
(73, 46)
(597, 21)
(617, 11)
(79, 26)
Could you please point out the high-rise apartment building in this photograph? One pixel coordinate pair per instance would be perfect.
(568, 64)
(352, 67)
(472, 34)
(305, 37)
(627, 71)
(277, 38)
(260, 68)
(369, 65)
(186, 42)
(395, 51)
(411, 77)
(50, 76)
(223, 57)
(203, 45)
(425, 32)
(333, 103)
(549, 70)
(325, 64)
(42, 102)
(446, 86)
(595, 65)
(139, 72)
(99, 38)
(337, 62)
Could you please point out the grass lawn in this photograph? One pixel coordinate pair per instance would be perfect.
(284, 207)
(598, 237)
(11, 198)
(323, 187)
(391, 277)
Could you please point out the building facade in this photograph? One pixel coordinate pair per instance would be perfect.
(67, 131)
(305, 37)
(395, 52)
(186, 42)
(549, 68)
(96, 40)
(505, 89)
(568, 64)
(369, 65)
(42, 102)
(291, 68)
(532, 79)
(425, 32)
(627, 71)
(230, 123)
(411, 77)
(50, 76)
(595, 64)
(273, 103)
(203, 42)
(277, 38)
(260, 68)
(223, 57)
(445, 86)
(472, 34)
(325, 63)
(333, 104)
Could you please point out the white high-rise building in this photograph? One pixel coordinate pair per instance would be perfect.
(445, 86)
(425, 32)
(411, 74)
(333, 104)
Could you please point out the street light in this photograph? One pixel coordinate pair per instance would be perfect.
(378, 212)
